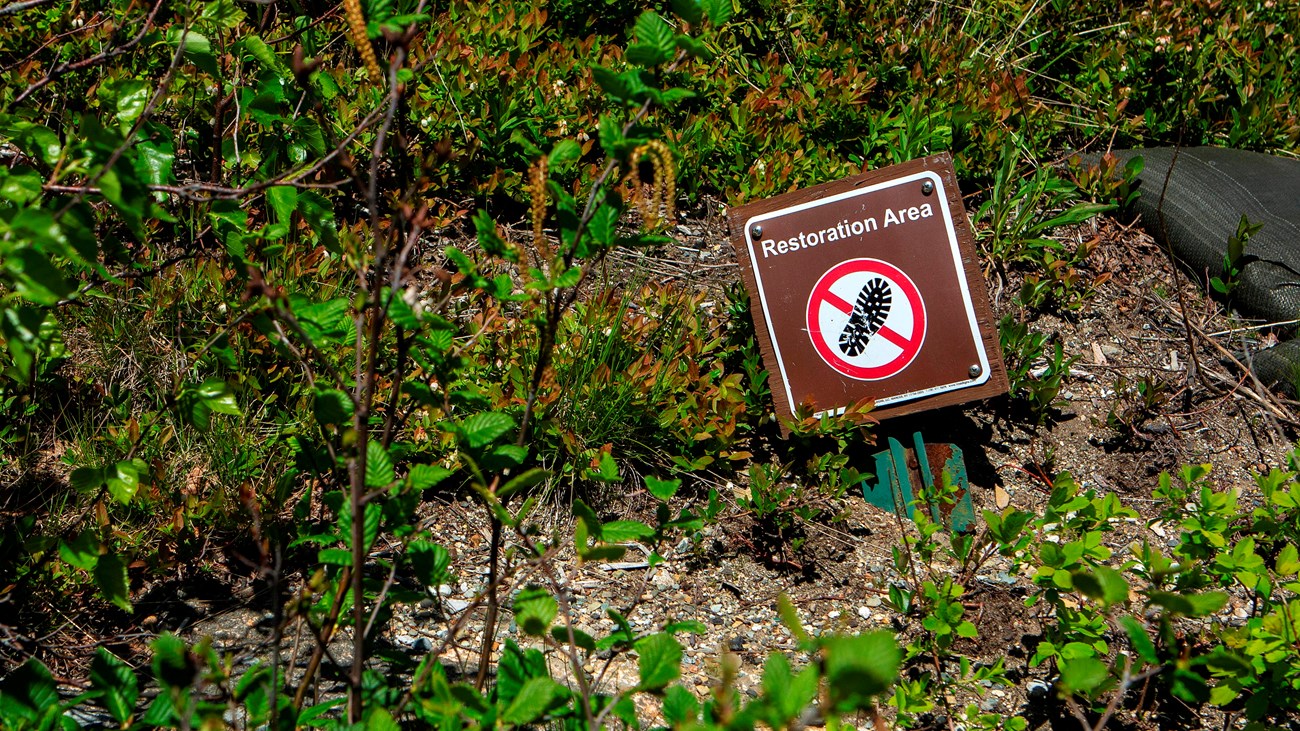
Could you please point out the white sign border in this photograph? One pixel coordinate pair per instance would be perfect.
(940, 195)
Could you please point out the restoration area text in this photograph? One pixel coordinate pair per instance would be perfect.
(843, 230)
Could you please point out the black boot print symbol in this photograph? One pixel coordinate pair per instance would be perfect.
(869, 314)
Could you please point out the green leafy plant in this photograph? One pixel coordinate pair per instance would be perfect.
(1235, 259)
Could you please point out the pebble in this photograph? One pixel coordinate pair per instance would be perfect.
(834, 614)
(864, 612)
(872, 601)
(456, 606)
(1037, 689)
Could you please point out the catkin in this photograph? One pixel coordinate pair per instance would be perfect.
(357, 24)
(662, 193)
(537, 194)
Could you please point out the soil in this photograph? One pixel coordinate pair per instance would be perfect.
(1132, 330)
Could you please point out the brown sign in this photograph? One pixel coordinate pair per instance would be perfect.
(868, 288)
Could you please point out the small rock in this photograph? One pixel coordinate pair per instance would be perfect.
(864, 612)
(456, 606)
(834, 614)
(872, 601)
(664, 580)
(1037, 689)
(422, 644)
(736, 644)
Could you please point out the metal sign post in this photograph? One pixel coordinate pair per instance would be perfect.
(869, 288)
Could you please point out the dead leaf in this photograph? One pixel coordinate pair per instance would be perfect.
(1001, 498)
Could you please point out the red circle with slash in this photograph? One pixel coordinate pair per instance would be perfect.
(893, 346)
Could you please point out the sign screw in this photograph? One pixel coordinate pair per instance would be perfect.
(974, 371)
(756, 231)
(927, 187)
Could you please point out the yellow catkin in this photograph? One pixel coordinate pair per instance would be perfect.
(357, 24)
(663, 185)
(537, 193)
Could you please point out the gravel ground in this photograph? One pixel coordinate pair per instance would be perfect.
(838, 580)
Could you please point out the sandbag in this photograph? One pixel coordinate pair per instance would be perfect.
(1208, 191)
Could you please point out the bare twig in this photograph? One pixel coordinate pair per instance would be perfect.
(66, 67)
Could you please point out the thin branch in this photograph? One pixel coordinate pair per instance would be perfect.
(66, 67)
(18, 7)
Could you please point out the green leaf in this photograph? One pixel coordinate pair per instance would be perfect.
(1223, 694)
(612, 84)
(223, 13)
(694, 48)
(334, 556)
(606, 469)
(482, 429)
(659, 660)
(580, 639)
(258, 49)
(858, 668)
(790, 617)
(1191, 605)
(197, 48)
(283, 200)
(216, 393)
(1083, 675)
(516, 668)
(132, 97)
(379, 719)
(563, 154)
(379, 466)
(534, 699)
(528, 479)
(654, 40)
(662, 489)
(689, 11)
(430, 562)
(154, 163)
(425, 476)
(28, 693)
(680, 707)
(110, 577)
(116, 683)
(82, 552)
(124, 479)
(332, 407)
(86, 479)
(719, 11)
(622, 531)
(1288, 561)
(38, 280)
(319, 213)
(374, 513)
(1103, 584)
(1139, 640)
(324, 322)
(35, 140)
(535, 610)
(489, 238)
(173, 666)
